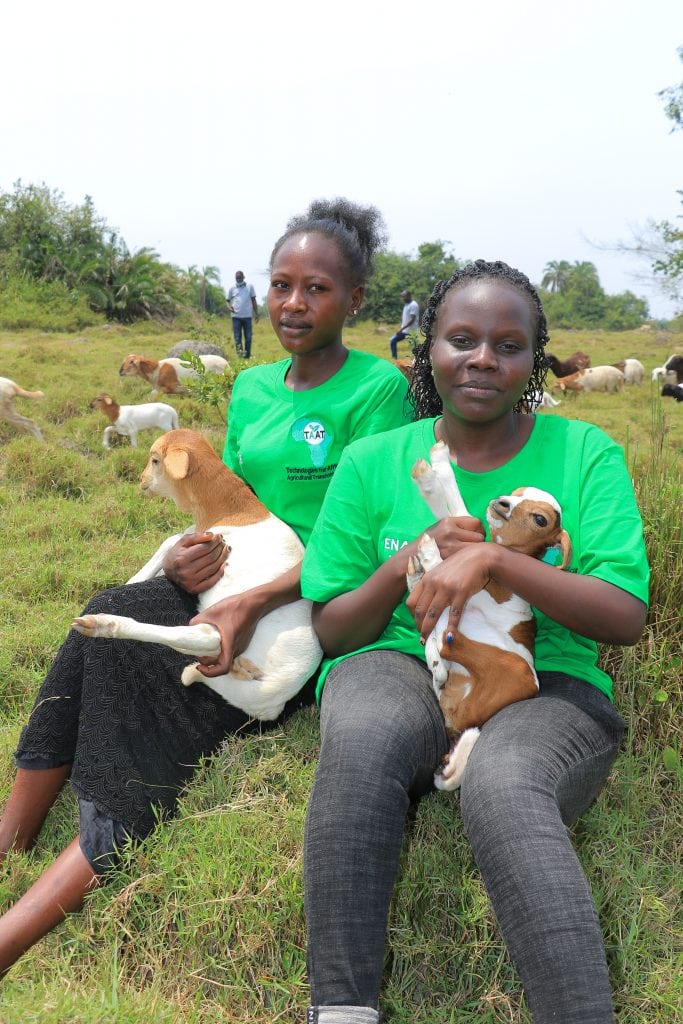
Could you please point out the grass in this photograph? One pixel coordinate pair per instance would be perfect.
(204, 922)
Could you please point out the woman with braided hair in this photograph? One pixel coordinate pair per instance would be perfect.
(112, 716)
(538, 763)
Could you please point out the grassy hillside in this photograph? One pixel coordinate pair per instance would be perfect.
(204, 922)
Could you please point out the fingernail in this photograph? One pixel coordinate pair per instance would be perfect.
(449, 638)
(423, 641)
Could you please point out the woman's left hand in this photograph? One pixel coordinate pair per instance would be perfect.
(449, 585)
(235, 619)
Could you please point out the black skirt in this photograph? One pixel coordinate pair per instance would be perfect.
(118, 711)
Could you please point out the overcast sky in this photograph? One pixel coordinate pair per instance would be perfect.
(523, 132)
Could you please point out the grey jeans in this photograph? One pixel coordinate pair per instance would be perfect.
(536, 766)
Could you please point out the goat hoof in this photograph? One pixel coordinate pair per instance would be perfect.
(94, 625)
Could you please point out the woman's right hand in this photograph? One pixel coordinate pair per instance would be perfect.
(452, 532)
(196, 561)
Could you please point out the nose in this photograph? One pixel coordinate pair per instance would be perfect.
(295, 300)
(483, 356)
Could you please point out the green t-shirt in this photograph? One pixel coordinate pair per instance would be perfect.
(373, 508)
(286, 444)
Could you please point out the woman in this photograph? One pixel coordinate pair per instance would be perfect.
(537, 763)
(113, 716)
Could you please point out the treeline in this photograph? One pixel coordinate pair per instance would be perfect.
(65, 261)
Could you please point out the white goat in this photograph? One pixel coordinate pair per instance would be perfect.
(632, 369)
(127, 420)
(488, 662)
(9, 390)
(284, 651)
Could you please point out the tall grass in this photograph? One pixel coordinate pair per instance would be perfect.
(204, 922)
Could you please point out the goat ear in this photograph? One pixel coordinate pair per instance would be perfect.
(177, 463)
(565, 546)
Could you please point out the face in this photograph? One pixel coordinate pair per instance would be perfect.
(482, 349)
(239, 277)
(310, 296)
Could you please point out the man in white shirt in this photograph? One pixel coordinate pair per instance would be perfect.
(242, 305)
(410, 321)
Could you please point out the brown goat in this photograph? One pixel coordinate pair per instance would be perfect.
(565, 367)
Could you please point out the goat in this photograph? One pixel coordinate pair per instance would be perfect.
(127, 420)
(284, 651)
(9, 390)
(674, 364)
(165, 374)
(547, 402)
(673, 391)
(488, 662)
(593, 378)
(562, 368)
(632, 369)
(661, 371)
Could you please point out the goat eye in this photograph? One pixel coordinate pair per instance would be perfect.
(539, 519)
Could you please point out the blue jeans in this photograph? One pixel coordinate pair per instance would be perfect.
(394, 340)
(239, 324)
(536, 766)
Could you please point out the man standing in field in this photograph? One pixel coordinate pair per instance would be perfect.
(242, 306)
(410, 321)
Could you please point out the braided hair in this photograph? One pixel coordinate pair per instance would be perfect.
(357, 231)
(423, 394)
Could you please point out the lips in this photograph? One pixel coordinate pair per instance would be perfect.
(477, 385)
(294, 325)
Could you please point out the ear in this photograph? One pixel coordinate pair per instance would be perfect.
(176, 463)
(565, 546)
(356, 298)
(107, 400)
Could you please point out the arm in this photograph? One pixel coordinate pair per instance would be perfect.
(236, 617)
(357, 617)
(585, 605)
(254, 306)
(196, 561)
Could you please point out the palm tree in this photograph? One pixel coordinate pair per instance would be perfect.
(556, 275)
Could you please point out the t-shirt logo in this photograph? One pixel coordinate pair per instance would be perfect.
(313, 434)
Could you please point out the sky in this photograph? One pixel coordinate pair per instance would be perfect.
(527, 132)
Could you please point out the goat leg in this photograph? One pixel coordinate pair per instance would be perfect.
(200, 641)
(449, 776)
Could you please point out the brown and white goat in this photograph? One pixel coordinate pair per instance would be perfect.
(9, 390)
(488, 662)
(128, 420)
(166, 374)
(284, 651)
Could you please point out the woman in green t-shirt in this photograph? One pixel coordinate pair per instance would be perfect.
(113, 716)
(537, 763)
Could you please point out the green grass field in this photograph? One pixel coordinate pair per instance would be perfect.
(204, 922)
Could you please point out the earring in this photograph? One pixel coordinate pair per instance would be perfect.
(353, 312)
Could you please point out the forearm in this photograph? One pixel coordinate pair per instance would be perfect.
(269, 596)
(358, 617)
(586, 605)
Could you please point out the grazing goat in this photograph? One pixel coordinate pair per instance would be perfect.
(165, 374)
(632, 369)
(284, 651)
(488, 662)
(8, 392)
(673, 391)
(674, 364)
(563, 367)
(200, 348)
(127, 420)
(661, 371)
(593, 378)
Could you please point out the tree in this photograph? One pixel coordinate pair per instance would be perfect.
(555, 275)
(673, 101)
(396, 272)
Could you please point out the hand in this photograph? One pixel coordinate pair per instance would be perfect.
(196, 562)
(450, 585)
(235, 618)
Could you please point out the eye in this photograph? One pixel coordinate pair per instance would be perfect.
(460, 341)
(278, 285)
(316, 288)
(510, 346)
(539, 519)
